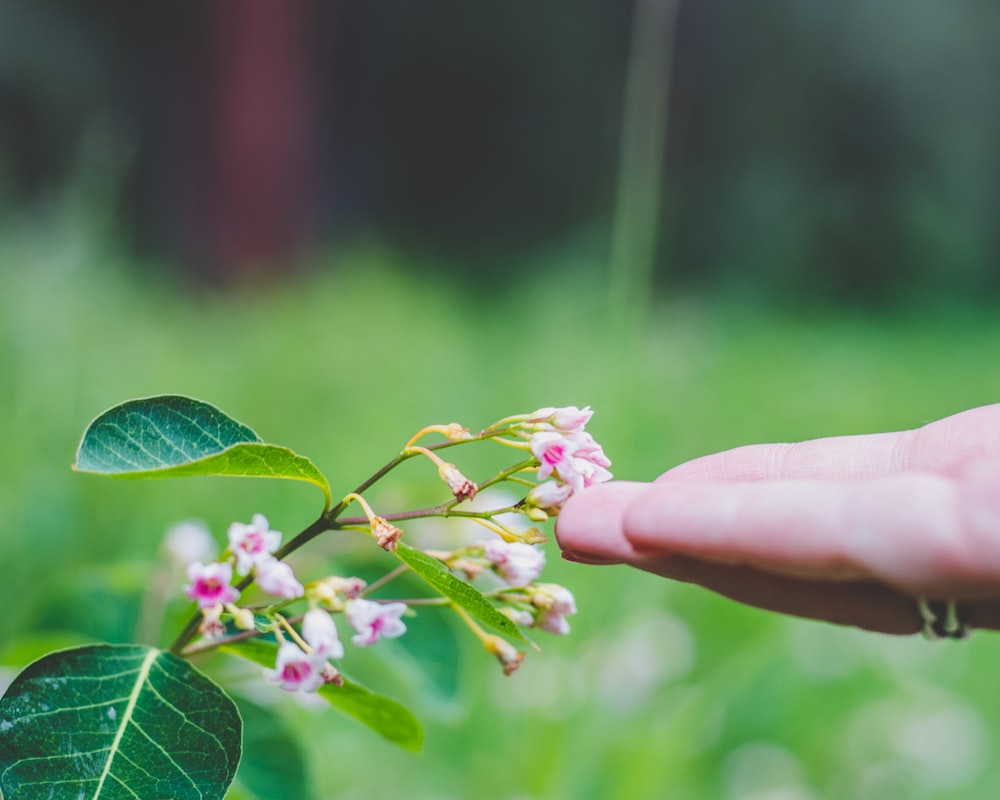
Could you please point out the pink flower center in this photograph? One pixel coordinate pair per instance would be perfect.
(210, 587)
(554, 453)
(296, 671)
(252, 543)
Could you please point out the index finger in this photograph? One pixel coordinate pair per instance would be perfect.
(942, 447)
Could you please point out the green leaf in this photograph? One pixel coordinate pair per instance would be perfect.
(116, 722)
(174, 437)
(273, 765)
(455, 589)
(386, 717)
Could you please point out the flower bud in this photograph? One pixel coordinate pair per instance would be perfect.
(460, 486)
(242, 617)
(385, 533)
(508, 656)
(456, 433)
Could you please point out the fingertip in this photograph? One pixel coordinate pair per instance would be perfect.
(589, 526)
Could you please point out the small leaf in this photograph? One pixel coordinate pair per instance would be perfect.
(386, 717)
(455, 589)
(116, 722)
(173, 437)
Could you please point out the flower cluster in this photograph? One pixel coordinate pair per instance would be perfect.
(561, 459)
(304, 662)
(569, 458)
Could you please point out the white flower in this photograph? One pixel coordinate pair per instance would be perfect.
(210, 584)
(189, 541)
(252, 543)
(297, 671)
(554, 452)
(568, 419)
(372, 620)
(320, 631)
(517, 563)
(276, 578)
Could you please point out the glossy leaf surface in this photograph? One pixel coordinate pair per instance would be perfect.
(116, 722)
(455, 589)
(172, 437)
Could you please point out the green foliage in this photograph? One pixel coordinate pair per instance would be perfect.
(174, 437)
(386, 717)
(662, 690)
(116, 722)
(273, 765)
(458, 591)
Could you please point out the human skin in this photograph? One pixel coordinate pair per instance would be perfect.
(851, 530)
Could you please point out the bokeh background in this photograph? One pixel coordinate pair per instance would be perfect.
(715, 222)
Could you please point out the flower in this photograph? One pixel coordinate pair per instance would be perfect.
(296, 670)
(211, 626)
(568, 419)
(276, 577)
(555, 603)
(517, 563)
(320, 632)
(554, 452)
(328, 589)
(189, 541)
(576, 459)
(252, 543)
(210, 584)
(585, 447)
(372, 620)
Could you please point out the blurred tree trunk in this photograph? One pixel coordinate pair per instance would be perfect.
(252, 159)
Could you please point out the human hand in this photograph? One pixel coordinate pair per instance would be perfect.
(851, 530)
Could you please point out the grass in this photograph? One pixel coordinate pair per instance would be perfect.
(662, 690)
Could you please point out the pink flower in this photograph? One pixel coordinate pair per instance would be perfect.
(276, 577)
(586, 448)
(372, 621)
(210, 584)
(587, 473)
(320, 631)
(517, 563)
(297, 671)
(252, 543)
(554, 452)
(555, 604)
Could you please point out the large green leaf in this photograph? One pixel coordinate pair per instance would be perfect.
(384, 716)
(116, 722)
(173, 437)
(455, 589)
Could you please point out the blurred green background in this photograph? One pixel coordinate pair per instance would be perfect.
(715, 223)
